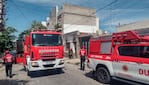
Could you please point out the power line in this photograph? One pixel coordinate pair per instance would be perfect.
(99, 10)
(32, 10)
(127, 7)
(106, 6)
(26, 18)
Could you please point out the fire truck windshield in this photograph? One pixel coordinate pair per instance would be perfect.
(46, 39)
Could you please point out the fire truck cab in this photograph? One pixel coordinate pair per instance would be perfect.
(123, 56)
(42, 49)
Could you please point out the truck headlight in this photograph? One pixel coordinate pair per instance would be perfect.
(34, 64)
(61, 62)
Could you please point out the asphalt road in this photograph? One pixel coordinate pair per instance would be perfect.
(71, 75)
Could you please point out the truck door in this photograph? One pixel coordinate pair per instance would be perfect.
(20, 48)
(20, 59)
(131, 63)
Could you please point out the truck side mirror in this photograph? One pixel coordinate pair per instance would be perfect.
(19, 46)
(26, 40)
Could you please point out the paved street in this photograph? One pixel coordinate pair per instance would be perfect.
(71, 75)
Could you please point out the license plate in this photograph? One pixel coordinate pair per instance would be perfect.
(48, 62)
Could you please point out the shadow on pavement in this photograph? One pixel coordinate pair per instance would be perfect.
(13, 75)
(23, 69)
(114, 82)
(90, 75)
(46, 73)
(13, 82)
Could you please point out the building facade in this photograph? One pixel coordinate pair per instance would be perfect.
(140, 26)
(73, 21)
(76, 18)
(53, 18)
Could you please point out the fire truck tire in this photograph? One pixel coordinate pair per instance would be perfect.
(103, 75)
(60, 70)
(29, 73)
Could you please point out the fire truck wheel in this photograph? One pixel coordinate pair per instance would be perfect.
(29, 73)
(60, 70)
(103, 75)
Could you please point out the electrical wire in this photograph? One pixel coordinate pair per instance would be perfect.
(25, 17)
(97, 11)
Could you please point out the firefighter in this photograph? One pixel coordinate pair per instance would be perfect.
(70, 53)
(8, 60)
(82, 57)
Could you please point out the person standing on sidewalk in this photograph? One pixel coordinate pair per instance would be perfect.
(70, 53)
(8, 60)
(82, 57)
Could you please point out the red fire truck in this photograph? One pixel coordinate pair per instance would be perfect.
(122, 56)
(42, 49)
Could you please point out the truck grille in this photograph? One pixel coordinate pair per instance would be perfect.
(48, 58)
(49, 65)
(49, 54)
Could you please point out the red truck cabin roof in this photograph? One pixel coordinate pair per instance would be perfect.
(45, 32)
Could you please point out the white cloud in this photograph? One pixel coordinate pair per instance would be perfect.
(123, 21)
(108, 13)
(44, 2)
(114, 17)
(53, 2)
(120, 21)
(36, 1)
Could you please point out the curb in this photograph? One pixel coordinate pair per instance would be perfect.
(74, 61)
(77, 63)
(1, 65)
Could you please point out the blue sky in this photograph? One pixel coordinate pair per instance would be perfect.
(21, 13)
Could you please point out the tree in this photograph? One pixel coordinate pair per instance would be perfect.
(34, 25)
(22, 34)
(58, 27)
(7, 38)
(37, 25)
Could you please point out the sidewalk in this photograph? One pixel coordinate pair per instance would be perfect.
(75, 61)
(1, 62)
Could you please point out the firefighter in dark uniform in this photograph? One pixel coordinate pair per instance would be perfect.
(82, 57)
(8, 60)
(70, 53)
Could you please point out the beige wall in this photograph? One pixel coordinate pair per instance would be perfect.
(73, 9)
(134, 26)
(76, 19)
(53, 18)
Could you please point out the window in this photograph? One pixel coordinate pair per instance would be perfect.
(46, 40)
(134, 51)
(105, 48)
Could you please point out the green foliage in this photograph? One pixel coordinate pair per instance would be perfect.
(7, 38)
(37, 25)
(34, 26)
(22, 34)
(57, 26)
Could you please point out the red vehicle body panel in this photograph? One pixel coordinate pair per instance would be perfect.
(31, 50)
(125, 55)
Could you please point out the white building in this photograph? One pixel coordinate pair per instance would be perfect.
(140, 25)
(76, 18)
(72, 21)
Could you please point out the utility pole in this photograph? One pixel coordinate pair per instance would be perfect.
(2, 14)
